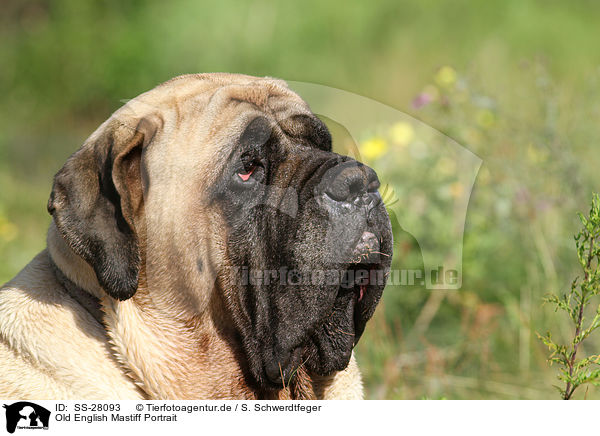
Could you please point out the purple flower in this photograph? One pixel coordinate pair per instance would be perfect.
(423, 99)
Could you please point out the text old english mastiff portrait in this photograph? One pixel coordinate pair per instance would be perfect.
(205, 243)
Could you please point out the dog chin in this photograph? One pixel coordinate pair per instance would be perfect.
(328, 348)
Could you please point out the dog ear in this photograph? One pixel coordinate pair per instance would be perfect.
(94, 201)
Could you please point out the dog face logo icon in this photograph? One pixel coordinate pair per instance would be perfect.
(26, 415)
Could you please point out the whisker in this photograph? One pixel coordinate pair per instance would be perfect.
(346, 333)
(379, 252)
(281, 373)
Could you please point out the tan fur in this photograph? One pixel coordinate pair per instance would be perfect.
(160, 343)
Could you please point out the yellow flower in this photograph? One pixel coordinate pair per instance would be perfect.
(373, 148)
(446, 76)
(485, 118)
(402, 133)
(8, 231)
(456, 189)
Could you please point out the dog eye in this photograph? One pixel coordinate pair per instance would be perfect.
(249, 174)
(245, 175)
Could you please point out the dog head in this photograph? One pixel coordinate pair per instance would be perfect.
(220, 194)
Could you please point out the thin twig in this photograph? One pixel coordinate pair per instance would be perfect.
(570, 388)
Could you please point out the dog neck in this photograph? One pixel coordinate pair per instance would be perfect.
(169, 356)
(185, 357)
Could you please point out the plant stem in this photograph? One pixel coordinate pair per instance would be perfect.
(571, 387)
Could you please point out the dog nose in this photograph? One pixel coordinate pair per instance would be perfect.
(350, 180)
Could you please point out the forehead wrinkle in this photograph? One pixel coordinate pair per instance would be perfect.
(223, 110)
(221, 143)
(256, 90)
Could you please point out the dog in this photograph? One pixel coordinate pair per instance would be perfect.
(165, 224)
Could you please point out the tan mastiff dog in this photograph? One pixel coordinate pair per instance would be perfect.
(205, 244)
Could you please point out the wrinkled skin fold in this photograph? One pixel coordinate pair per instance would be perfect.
(294, 314)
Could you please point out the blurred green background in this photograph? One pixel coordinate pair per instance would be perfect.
(516, 82)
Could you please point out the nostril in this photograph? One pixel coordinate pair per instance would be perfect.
(346, 189)
(355, 188)
(349, 181)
